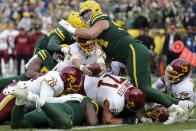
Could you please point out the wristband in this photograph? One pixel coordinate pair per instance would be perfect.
(81, 67)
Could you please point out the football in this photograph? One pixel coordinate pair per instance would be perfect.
(95, 69)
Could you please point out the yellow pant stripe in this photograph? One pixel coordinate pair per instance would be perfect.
(134, 65)
(5, 100)
(97, 110)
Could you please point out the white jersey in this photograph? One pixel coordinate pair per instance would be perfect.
(183, 90)
(73, 51)
(53, 80)
(11, 37)
(3, 40)
(112, 88)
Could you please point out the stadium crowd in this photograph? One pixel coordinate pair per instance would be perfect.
(30, 19)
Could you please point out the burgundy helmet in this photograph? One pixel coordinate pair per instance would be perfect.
(134, 99)
(177, 70)
(71, 77)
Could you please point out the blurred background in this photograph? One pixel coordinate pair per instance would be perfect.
(160, 24)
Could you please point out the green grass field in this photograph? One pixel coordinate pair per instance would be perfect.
(187, 126)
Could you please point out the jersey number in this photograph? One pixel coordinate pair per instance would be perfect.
(118, 82)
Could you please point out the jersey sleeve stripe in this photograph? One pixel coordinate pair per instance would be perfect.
(61, 33)
(40, 54)
(44, 70)
(134, 65)
(94, 19)
(43, 52)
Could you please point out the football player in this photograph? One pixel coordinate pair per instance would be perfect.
(113, 93)
(56, 115)
(82, 54)
(52, 41)
(47, 86)
(119, 45)
(41, 63)
(177, 81)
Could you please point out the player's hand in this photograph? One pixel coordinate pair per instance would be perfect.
(85, 70)
(64, 50)
(67, 26)
(74, 97)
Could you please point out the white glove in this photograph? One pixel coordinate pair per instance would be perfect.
(74, 97)
(64, 50)
(85, 70)
(67, 26)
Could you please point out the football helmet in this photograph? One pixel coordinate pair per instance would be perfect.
(158, 113)
(177, 70)
(88, 47)
(134, 99)
(74, 20)
(88, 9)
(72, 78)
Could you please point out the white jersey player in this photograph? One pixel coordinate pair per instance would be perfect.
(184, 90)
(82, 55)
(178, 83)
(47, 86)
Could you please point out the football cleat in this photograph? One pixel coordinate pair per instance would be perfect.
(18, 90)
(175, 113)
(188, 107)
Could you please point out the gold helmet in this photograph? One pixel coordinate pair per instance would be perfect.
(74, 19)
(88, 47)
(91, 6)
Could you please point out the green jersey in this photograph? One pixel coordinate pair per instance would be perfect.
(79, 109)
(114, 40)
(48, 62)
(52, 41)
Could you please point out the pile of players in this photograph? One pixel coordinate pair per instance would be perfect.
(101, 78)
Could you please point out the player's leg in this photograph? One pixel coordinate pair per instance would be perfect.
(33, 119)
(60, 114)
(8, 80)
(138, 64)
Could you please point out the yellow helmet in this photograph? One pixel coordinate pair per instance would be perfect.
(74, 19)
(90, 5)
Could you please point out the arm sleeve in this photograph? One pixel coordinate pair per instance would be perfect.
(46, 91)
(54, 44)
(158, 84)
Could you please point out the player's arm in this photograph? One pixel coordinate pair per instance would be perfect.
(108, 117)
(94, 31)
(54, 44)
(90, 114)
(34, 67)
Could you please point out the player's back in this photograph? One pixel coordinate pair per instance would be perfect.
(112, 88)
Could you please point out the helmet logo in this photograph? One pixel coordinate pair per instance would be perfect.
(130, 104)
(184, 68)
(71, 79)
